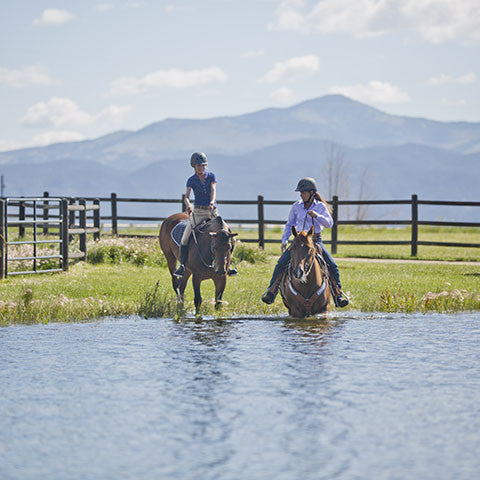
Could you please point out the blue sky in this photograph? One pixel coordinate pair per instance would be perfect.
(71, 70)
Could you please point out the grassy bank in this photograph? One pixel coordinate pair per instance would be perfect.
(127, 277)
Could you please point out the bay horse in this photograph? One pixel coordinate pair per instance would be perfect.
(304, 285)
(209, 255)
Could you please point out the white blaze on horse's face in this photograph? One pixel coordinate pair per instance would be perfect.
(221, 250)
(302, 255)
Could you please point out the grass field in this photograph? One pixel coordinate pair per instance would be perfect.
(349, 233)
(129, 276)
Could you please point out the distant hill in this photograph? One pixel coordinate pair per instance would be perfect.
(394, 172)
(333, 117)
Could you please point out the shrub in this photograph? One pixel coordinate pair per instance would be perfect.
(250, 254)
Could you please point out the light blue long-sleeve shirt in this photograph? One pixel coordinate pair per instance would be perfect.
(299, 217)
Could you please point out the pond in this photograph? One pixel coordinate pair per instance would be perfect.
(354, 396)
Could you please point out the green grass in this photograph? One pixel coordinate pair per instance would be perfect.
(130, 277)
(349, 233)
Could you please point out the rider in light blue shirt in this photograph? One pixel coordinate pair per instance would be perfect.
(311, 210)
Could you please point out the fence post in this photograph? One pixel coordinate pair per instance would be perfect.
(96, 219)
(261, 224)
(71, 216)
(3, 222)
(65, 223)
(183, 203)
(113, 201)
(45, 213)
(21, 217)
(414, 225)
(335, 224)
(83, 225)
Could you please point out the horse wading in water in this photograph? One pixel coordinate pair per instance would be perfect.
(209, 256)
(304, 284)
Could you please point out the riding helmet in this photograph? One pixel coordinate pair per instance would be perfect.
(198, 158)
(306, 185)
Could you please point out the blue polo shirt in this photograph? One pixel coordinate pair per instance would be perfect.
(202, 191)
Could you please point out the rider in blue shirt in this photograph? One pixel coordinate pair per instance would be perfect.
(204, 186)
(311, 211)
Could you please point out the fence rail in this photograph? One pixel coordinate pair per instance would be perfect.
(72, 219)
(33, 213)
(261, 220)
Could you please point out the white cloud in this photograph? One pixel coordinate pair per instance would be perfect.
(103, 7)
(65, 113)
(453, 103)
(173, 78)
(32, 75)
(434, 20)
(282, 95)
(6, 145)
(291, 69)
(444, 79)
(253, 53)
(59, 136)
(53, 16)
(373, 92)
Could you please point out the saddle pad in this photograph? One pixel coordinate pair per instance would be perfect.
(178, 230)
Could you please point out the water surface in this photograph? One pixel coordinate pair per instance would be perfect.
(355, 396)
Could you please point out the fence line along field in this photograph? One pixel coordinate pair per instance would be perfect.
(125, 271)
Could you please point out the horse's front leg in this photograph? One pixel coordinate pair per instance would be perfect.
(220, 282)
(196, 290)
(182, 285)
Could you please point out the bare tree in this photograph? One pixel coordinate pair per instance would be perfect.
(364, 193)
(337, 174)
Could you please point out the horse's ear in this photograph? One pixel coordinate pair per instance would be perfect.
(294, 231)
(212, 234)
(310, 232)
(232, 235)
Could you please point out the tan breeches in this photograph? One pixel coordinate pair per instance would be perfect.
(196, 217)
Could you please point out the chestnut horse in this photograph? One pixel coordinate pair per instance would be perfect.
(209, 256)
(304, 285)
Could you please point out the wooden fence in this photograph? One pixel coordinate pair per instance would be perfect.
(261, 221)
(83, 225)
(57, 219)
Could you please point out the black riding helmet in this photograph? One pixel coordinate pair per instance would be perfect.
(198, 158)
(306, 185)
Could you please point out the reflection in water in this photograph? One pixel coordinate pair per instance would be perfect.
(345, 396)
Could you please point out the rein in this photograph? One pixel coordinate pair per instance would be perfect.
(205, 264)
(198, 249)
(307, 302)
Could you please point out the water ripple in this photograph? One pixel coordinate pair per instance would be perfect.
(346, 396)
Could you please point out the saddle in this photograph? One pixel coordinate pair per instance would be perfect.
(177, 232)
(179, 228)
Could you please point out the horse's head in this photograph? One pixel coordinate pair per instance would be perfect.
(222, 246)
(302, 254)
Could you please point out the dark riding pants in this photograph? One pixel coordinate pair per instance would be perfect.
(284, 260)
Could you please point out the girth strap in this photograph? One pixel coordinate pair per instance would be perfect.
(308, 302)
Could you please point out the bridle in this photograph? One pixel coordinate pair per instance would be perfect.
(212, 263)
(310, 301)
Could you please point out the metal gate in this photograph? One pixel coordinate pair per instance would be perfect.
(30, 215)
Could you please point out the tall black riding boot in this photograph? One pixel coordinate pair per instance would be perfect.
(180, 271)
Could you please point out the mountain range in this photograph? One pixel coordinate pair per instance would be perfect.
(265, 152)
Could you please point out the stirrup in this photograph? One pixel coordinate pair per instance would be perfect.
(180, 271)
(341, 300)
(232, 272)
